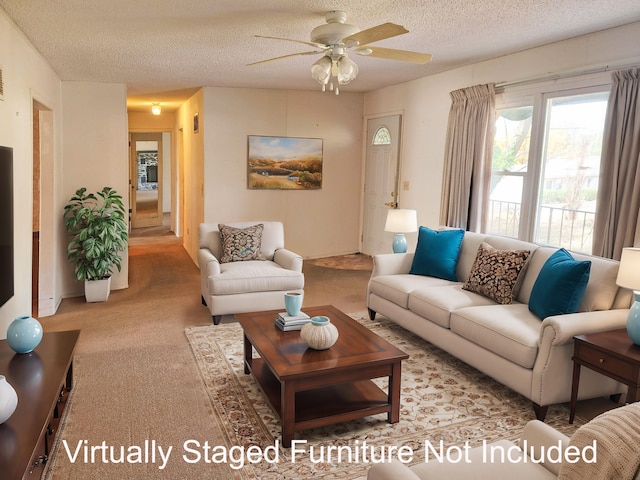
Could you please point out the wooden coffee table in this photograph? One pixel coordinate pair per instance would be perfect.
(310, 388)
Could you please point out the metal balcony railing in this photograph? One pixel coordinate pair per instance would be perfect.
(558, 226)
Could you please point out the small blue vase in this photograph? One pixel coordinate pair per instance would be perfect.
(24, 334)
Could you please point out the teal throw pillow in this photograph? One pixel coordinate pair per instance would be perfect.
(560, 285)
(437, 253)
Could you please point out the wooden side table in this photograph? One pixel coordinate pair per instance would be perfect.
(610, 353)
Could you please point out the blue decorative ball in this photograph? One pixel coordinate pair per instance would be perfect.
(24, 334)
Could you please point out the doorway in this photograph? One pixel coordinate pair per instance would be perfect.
(43, 217)
(381, 182)
(146, 174)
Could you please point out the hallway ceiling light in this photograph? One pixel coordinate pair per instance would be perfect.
(156, 109)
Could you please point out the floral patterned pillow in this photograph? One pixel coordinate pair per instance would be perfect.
(240, 244)
(497, 274)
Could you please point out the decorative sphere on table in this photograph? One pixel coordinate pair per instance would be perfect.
(8, 400)
(24, 334)
(320, 333)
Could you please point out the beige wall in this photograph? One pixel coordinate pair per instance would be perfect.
(425, 103)
(27, 77)
(95, 136)
(190, 167)
(92, 127)
(317, 222)
(147, 122)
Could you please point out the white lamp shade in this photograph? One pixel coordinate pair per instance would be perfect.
(629, 271)
(321, 70)
(401, 221)
(347, 70)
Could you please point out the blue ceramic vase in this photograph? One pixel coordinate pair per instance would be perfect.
(633, 320)
(24, 334)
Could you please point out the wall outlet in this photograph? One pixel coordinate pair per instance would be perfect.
(405, 185)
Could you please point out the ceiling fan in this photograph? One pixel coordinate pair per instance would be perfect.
(336, 37)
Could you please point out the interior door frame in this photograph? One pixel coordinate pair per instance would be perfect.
(43, 297)
(133, 176)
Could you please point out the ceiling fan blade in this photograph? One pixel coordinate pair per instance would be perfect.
(393, 54)
(313, 44)
(284, 56)
(373, 34)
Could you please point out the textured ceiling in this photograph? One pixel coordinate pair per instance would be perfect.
(164, 49)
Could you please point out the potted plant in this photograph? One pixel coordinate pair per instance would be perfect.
(98, 227)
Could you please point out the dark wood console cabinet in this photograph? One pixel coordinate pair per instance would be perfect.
(42, 379)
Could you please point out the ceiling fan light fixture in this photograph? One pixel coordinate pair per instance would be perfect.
(347, 70)
(335, 37)
(321, 70)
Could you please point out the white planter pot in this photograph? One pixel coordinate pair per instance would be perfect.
(97, 290)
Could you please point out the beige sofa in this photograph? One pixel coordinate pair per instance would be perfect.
(506, 342)
(247, 286)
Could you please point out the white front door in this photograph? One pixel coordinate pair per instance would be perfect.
(381, 182)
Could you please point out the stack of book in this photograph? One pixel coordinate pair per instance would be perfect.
(287, 322)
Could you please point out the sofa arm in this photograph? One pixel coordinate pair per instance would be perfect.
(561, 329)
(288, 260)
(208, 263)
(539, 436)
(394, 470)
(391, 264)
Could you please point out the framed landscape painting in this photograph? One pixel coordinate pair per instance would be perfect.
(284, 163)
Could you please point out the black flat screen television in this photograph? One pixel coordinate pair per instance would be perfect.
(6, 224)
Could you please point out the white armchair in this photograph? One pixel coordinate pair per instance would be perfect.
(250, 285)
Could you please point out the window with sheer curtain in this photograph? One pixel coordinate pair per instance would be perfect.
(545, 167)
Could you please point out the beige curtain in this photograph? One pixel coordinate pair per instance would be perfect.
(616, 220)
(467, 163)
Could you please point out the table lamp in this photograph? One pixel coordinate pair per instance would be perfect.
(629, 277)
(401, 221)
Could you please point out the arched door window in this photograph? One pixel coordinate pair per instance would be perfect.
(382, 136)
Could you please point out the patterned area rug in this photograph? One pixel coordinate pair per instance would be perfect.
(442, 399)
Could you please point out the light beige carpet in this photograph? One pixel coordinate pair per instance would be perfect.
(442, 399)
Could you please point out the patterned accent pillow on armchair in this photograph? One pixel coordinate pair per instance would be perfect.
(240, 244)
